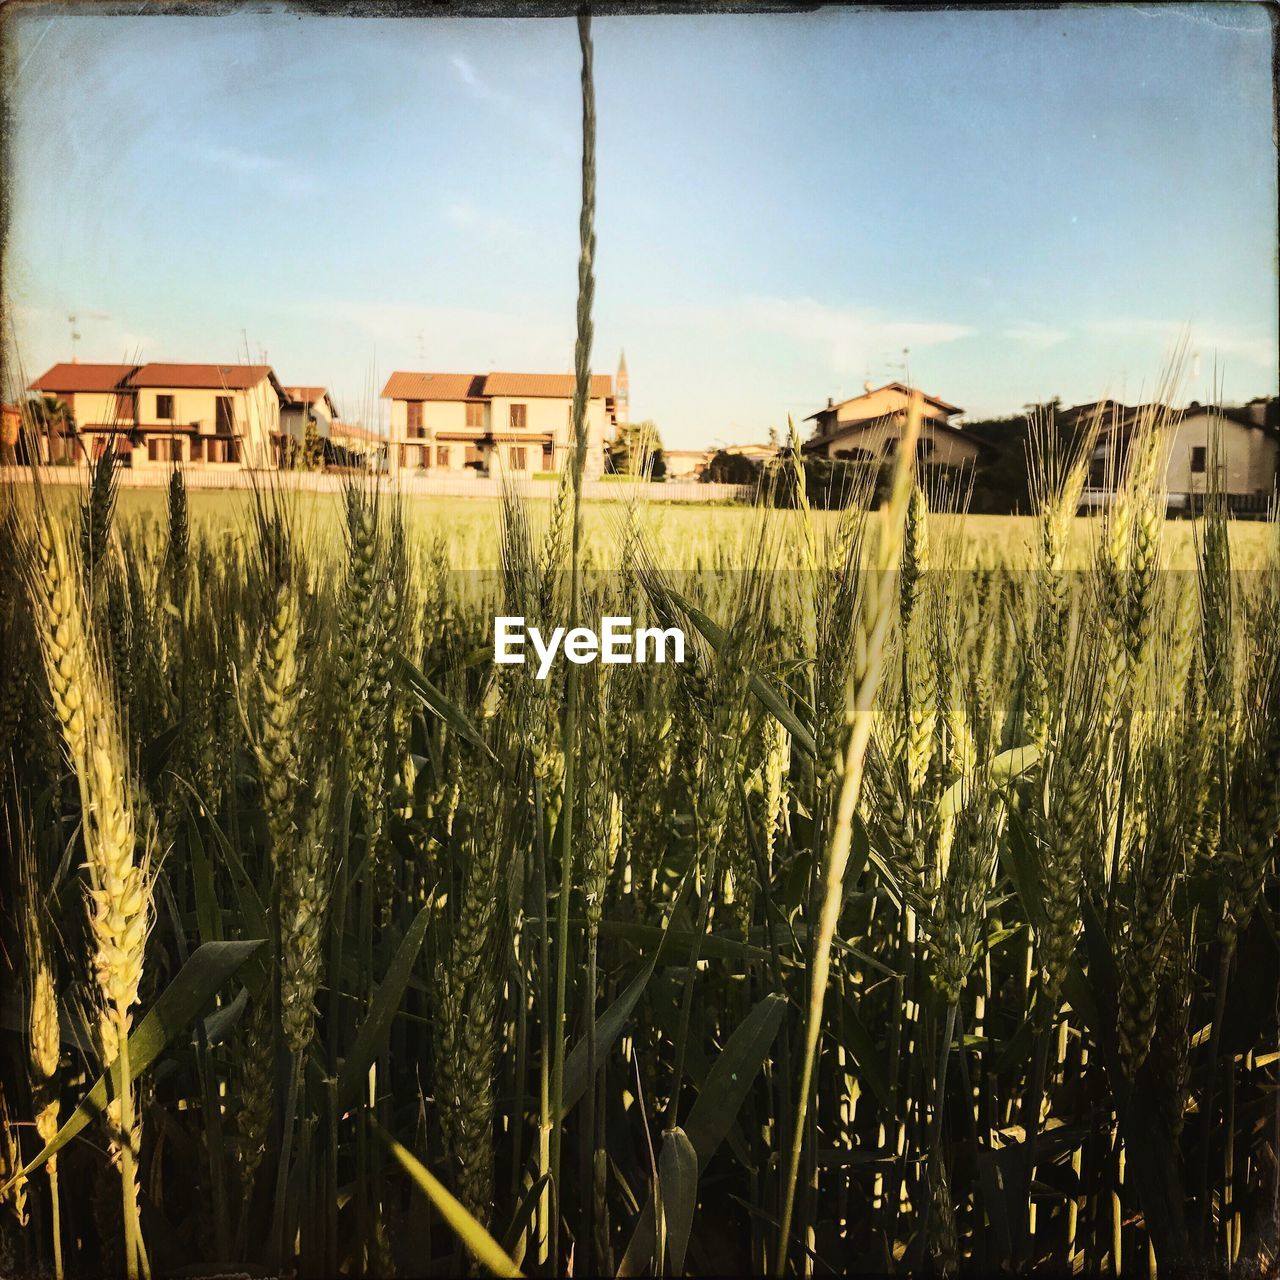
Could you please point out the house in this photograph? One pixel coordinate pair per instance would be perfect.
(496, 423)
(1102, 412)
(214, 415)
(90, 394)
(1245, 443)
(760, 453)
(302, 403)
(350, 445)
(685, 464)
(867, 428)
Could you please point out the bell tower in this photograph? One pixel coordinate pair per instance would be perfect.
(622, 392)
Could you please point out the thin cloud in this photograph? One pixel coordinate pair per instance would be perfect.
(467, 73)
(847, 333)
(1209, 342)
(254, 165)
(1037, 336)
(846, 339)
(481, 222)
(519, 110)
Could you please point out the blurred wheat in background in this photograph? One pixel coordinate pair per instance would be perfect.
(922, 920)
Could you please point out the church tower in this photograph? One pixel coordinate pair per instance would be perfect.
(622, 392)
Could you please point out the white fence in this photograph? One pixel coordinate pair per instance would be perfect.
(465, 485)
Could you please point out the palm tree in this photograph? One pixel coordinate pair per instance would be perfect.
(49, 418)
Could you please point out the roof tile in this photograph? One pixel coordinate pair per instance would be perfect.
(226, 377)
(404, 385)
(72, 377)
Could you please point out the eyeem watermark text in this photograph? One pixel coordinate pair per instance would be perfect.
(615, 642)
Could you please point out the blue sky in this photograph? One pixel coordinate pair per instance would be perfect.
(1032, 203)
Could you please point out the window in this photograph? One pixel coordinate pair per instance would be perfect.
(414, 420)
(442, 455)
(161, 449)
(1197, 459)
(517, 457)
(475, 416)
(548, 458)
(164, 408)
(474, 456)
(195, 448)
(224, 416)
(519, 415)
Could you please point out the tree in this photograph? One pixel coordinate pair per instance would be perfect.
(1001, 482)
(636, 448)
(312, 446)
(731, 468)
(50, 419)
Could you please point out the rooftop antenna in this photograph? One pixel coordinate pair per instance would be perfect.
(904, 365)
(75, 339)
(422, 348)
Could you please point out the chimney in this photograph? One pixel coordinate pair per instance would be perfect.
(831, 404)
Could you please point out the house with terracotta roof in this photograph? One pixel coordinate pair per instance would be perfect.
(91, 394)
(216, 414)
(350, 444)
(213, 415)
(495, 423)
(302, 403)
(867, 428)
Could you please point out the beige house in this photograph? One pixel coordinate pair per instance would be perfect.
(92, 395)
(867, 428)
(212, 415)
(356, 446)
(761, 453)
(302, 403)
(685, 464)
(496, 423)
(1242, 444)
(218, 415)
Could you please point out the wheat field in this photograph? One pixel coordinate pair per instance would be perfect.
(921, 921)
(926, 906)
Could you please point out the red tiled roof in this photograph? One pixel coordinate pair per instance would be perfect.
(481, 386)
(350, 431)
(557, 386)
(229, 377)
(308, 396)
(73, 377)
(434, 386)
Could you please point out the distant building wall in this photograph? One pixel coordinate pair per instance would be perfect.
(877, 443)
(1247, 456)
